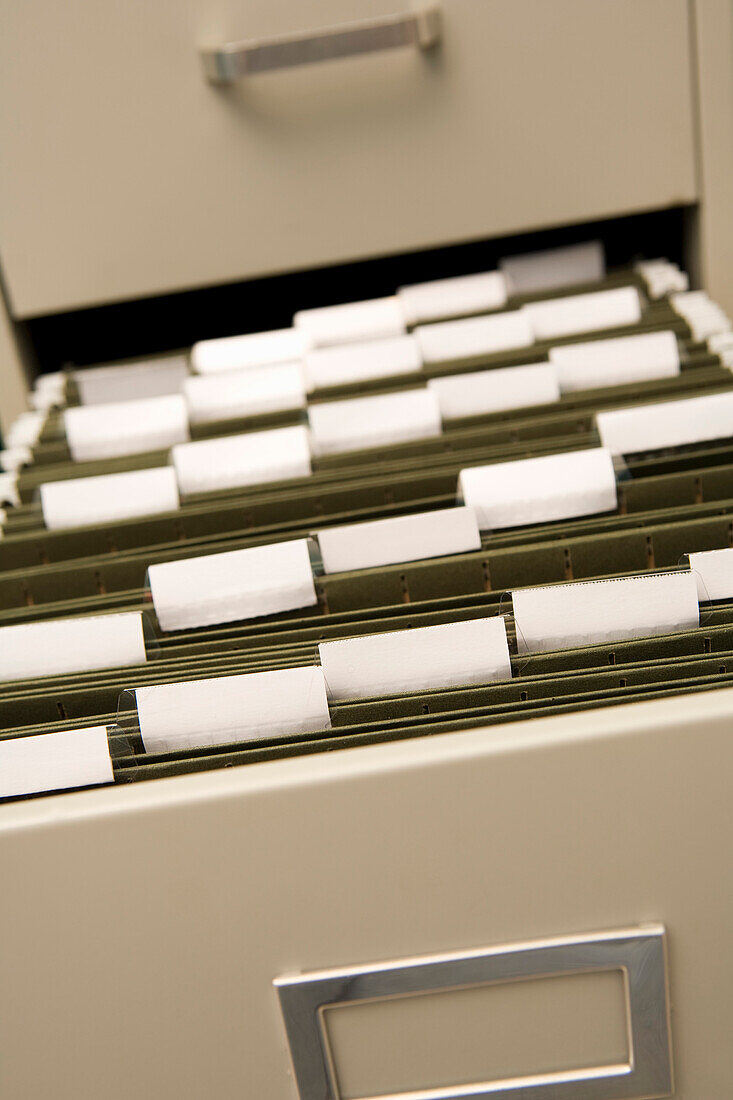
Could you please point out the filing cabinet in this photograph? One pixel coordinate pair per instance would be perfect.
(167, 939)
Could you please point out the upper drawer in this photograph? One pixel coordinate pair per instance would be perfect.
(124, 173)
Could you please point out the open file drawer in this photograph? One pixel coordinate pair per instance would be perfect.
(143, 927)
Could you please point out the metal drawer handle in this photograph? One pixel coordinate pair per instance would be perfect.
(223, 64)
(638, 952)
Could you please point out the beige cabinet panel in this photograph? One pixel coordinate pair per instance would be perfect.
(714, 38)
(124, 173)
(142, 927)
(14, 374)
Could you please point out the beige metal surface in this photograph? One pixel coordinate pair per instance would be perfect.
(13, 372)
(124, 173)
(713, 25)
(141, 927)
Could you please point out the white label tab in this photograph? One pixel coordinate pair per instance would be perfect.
(15, 457)
(112, 382)
(662, 277)
(455, 297)
(560, 616)
(49, 389)
(255, 349)
(704, 316)
(339, 365)
(669, 424)
(125, 427)
(9, 489)
(25, 429)
(490, 391)
(713, 571)
(374, 421)
(82, 501)
(52, 383)
(616, 362)
(234, 461)
(720, 342)
(552, 268)
(243, 393)
(55, 647)
(473, 652)
(540, 490)
(475, 336)
(584, 313)
(255, 706)
(229, 587)
(55, 762)
(375, 319)
(401, 538)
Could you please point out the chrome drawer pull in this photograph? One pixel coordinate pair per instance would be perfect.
(223, 64)
(638, 953)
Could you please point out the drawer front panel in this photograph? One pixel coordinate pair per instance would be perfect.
(125, 173)
(144, 927)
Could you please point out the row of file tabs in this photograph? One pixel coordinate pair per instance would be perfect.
(486, 497)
